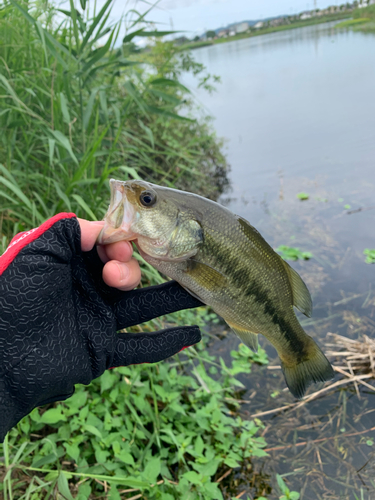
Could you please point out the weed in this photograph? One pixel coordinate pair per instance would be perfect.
(370, 255)
(292, 253)
(163, 430)
(303, 196)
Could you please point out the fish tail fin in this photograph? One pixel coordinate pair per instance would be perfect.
(314, 368)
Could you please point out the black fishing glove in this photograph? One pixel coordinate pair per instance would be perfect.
(58, 320)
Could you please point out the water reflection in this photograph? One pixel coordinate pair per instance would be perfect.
(298, 110)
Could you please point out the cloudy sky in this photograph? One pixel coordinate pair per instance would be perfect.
(196, 16)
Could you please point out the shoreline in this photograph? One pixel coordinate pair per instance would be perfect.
(265, 31)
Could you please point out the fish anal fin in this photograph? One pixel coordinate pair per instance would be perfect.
(314, 368)
(301, 295)
(248, 338)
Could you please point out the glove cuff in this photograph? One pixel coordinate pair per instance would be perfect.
(22, 239)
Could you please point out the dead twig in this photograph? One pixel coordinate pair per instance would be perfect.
(321, 440)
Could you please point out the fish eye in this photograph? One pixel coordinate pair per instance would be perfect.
(147, 198)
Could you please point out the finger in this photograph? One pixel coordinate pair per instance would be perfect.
(121, 250)
(147, 303)
(89, 232)
(122, 275)
(136, 348)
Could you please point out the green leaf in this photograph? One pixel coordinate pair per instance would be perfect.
(72, 450)
(97, 55)
(294, 495)
(126, 457)
(63, 486)
(17, 191)
(93, 430)
(95, 23)
(53, 416)
(84, 206)
(281, 484)
(64, 108)
(167, 82)
(142, 32)
(48, 459)
(230, 462)
(193, 477)
(199, 446)
(89, 107)
(152, 470)
(303, 196)
(64, 142)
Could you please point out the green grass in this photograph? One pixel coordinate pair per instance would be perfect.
(74, 113)
(363, 20)
(353, 22)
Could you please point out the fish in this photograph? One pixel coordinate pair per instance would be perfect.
(222, 260)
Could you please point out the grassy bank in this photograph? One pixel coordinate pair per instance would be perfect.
(363, 20)
(264, 31)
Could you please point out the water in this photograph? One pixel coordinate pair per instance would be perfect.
(298, 111)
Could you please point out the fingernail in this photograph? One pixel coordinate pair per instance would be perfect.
(123, 271)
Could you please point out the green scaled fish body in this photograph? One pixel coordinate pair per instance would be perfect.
(225, 262)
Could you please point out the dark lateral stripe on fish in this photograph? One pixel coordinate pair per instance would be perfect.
(235, 269)
(298, 346)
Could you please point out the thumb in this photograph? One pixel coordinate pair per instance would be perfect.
(89, 232)
(136, 348)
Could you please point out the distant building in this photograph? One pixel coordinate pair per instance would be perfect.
(223, 33)
(258, 25)
(277, 22)
(241, 27)
(305, 15)
(232, 32)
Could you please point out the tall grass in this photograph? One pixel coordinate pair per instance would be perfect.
(78, 105)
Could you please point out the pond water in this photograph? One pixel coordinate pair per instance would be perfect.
(297, 109)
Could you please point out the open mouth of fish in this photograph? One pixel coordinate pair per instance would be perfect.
(119, 217)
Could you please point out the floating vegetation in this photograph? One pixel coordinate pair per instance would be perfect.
(370, 255)
(292, 253)
(303, 196)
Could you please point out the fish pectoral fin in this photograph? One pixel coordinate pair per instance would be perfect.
(301, 296)
(192, 293)
(206, 275)
(248, 338)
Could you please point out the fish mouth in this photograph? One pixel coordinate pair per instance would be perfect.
(119, 217)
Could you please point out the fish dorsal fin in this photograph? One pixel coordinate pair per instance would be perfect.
(248, 338)
(301, 295)
(206, 275)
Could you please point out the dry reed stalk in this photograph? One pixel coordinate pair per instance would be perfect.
(357, 362)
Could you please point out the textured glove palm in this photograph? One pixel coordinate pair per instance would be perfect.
(58, 321)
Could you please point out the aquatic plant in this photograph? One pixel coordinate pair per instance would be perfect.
(303, 196)
(293, 253)
(370, 255)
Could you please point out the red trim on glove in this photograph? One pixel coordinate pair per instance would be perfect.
(22, 239)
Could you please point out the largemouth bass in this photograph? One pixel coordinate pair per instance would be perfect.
(222, 260)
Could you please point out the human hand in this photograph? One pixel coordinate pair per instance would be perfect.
(59, 316)
(120, 269)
